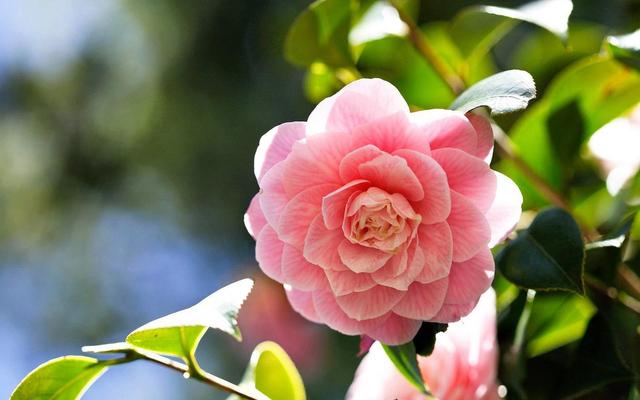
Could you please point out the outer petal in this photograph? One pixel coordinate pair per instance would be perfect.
(254, 219)
(395, 330)
(321, 246)
(485, 136)
(392, 174)
(302, 302)
(299, 212)
(302, 170)
(446, 128)
(435, 206)
(269, 253)
(331, 314)
(389, 133)
(299, 273)
(368, 304)
(468, 175)
(335, 203)
(437, 246)
(276, 145)
(469, 279)
(422, 301)
(505, 211)
(345, 282)
(357, 103)
(453, 312)
(360, 258)
(469, 228)
(272, 198)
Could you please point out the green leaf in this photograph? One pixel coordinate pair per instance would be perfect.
(626, 48)
(64, 378)
(178, 334)
(272, 372)
(503, 92)
(320, 33)
(549, 255)
(556, 319)
(476, 29)
(405, 359)
(565, 127)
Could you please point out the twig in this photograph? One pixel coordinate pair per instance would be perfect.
(188, 371)
(423, 47)
(612, 293)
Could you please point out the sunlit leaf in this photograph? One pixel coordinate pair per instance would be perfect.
(64, 378)
(405, 359)
(272, 372)
(549, 255)
(556, 320)
(178, 334)
(626, 48)
(503, 92)
(476, 29)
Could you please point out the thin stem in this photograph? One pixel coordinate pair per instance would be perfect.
(612, 293)
(521, 328)
(423, 47)
(188, 371)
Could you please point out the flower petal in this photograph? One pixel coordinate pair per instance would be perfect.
(395, 330)
(345, 282)
(469, 228)
(371, 303)
(334, 204)
(422, 301)
(469, 279)
(302, 303)
(360, 258)
(446, 128)
(269, 253)
(350, 163)
(321, 246)
(388, 133)
(299, 212)
(254, 219)
(437, 246)
(357, 103)
(468, 175)
(453, 312)
(435, 206)
(299, 273)
(392, 174)
(302, 170)
(331, 314)
(505, 211)
(272, 198)
(484, 131)
(276, 145)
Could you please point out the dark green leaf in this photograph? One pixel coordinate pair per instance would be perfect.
(405, 359)
(425, 339)
(503, 92)
(64, 378)
(178, 334)
(320, 33)
(549, 255)
(566, 130)
(272, 372)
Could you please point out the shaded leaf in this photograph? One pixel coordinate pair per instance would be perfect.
(64, 378)
(425, 339)
(549, 255)
(503, 92)
(565, 128)
(178, 334)
(320, 33)
(272, 372)
(405, 359)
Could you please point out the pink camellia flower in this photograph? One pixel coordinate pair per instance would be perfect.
(375, 218)
(462, 366)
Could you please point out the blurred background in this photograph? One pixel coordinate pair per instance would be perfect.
(127, 134)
